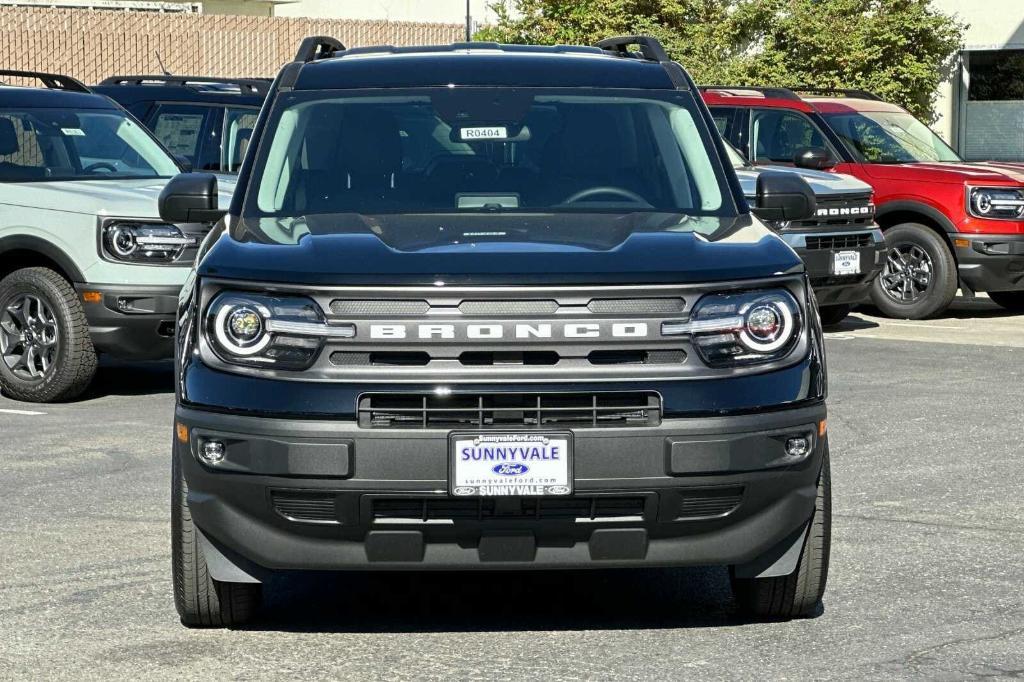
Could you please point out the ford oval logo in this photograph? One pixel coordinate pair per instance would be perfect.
(506, 469)
(464, 490)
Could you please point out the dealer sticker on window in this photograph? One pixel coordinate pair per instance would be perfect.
(484, 133)
(511, 464)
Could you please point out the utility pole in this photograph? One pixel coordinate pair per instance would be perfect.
(469, 23)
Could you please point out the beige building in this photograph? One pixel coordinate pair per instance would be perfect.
(435, 11)
(982, 105)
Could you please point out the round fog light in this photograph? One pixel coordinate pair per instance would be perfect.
(212, 452)
(798, 447)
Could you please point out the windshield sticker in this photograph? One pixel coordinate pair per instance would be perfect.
(73, 132)
(484, 133)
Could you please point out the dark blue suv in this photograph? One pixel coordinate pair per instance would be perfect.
(495, 307)
(206, 122)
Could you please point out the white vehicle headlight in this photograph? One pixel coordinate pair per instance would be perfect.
(1005, 203)
(136, 242)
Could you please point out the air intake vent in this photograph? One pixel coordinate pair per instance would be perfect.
(502, 410)
(375, 308)
(434, 510)
(508, 307)
(702, 504)
(305, 507)
(637, 306)
(839, 241)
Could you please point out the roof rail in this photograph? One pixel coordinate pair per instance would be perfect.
(841, 92)
(314, 48)
(54, 81)
(253, 86)
(650, 48)
(774, 93)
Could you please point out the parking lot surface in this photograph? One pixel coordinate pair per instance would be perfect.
(927, 555)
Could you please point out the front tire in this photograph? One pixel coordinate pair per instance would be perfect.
(46, 353)
(832, 315)
(919, 279)
(798, 594)
(1011, 300)
(200, 600)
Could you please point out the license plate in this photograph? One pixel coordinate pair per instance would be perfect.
(846, 263)
(510, 464)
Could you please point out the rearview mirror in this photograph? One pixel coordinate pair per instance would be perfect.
(813, 158)
(190, 198)
(784, 197)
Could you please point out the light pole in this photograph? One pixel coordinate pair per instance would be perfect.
(469, 23)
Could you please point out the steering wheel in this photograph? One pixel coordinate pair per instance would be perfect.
(100, 165)
(616, 191)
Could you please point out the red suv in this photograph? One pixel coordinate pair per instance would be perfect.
(947, 223)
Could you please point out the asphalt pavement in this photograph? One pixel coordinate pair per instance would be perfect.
(927, 576)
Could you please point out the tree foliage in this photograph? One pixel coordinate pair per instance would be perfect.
(899, 49)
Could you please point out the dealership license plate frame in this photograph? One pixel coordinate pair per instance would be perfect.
(853, 256)
(556, 489)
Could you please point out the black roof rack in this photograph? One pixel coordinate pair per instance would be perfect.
(775, 93)
(318, 47)
(650, 48)
(246, 86)
(842, 92)
(53, 81)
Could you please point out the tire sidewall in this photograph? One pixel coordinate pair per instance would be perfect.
(943, 286)
(55, 381)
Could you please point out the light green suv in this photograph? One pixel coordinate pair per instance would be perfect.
(86, 264)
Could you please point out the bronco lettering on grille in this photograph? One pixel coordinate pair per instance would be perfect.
(572, 330)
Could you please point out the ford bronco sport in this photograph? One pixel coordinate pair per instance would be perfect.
(86, 264)
(841, 246)
(495, 307)
(948, 224)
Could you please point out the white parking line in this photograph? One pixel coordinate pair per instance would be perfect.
(27, 413)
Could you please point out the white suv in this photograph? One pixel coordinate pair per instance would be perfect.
(86, 264)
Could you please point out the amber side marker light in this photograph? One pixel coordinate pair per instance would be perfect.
(92, 297)
(962, 243)
(822, 428)
(182, 432)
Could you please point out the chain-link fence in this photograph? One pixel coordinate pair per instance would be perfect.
(91, 45)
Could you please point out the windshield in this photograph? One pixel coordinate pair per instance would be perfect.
(61, 144)
(487, 151)
(889, 137)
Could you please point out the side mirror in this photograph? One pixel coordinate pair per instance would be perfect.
(190, 198)
(813, 158)
(784, 197)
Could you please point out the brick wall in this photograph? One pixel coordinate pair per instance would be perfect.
(91, 45)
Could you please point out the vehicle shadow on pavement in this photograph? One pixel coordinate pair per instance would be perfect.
(499, 601)
(116, 378)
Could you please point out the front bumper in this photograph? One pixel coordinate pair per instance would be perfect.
(990, 262)
(132, 322)
(829, 288)
(327, 495)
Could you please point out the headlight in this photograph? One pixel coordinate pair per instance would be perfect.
(263, 330)
(134, 242)
(1001, 203)
(749, 328)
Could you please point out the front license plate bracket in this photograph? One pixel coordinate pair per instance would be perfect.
(510, 463)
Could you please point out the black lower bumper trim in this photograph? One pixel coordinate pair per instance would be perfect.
(132, 322)
(990, 262)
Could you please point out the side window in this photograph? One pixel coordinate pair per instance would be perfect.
(732, 124)
(189, 131)
(778, 134)
(21, 156)
(238, 126)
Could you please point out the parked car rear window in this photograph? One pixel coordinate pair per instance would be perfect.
(58, 144)
(475, 150)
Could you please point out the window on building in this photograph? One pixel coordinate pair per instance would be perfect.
(996, 76)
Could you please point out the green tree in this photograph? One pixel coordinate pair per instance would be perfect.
(899, 49)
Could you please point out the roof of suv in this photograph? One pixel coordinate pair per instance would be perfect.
(131, 89)
(487, 64)
(57, 92)
(783, 98)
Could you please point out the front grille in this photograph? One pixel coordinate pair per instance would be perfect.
(305, 507)
(840, 213)
(427, 510)
(702, 504)
(502, 410)
(839, 241)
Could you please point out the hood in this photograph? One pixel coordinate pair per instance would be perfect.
(954, 173)
(823, 184)
(419, 250)
(119, 198)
